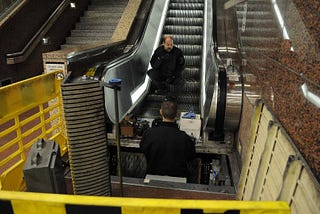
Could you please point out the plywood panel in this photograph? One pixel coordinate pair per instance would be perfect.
(274, 168)
(307, 193)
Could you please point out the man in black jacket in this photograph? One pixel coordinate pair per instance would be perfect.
(167, 149)
(167, 63)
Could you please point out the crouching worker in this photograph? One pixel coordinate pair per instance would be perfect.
(167, 149)
(167, 64)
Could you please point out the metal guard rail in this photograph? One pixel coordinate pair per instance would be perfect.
(32, 109)
(22, 55)
(29, 110)
(37, 203)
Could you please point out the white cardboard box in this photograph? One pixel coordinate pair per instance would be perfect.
(191, 126)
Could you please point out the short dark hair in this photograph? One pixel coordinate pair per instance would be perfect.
(169, 109)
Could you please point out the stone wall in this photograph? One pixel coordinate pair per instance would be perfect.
(285, 71)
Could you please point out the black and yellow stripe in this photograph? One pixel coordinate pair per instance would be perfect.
(36, 203)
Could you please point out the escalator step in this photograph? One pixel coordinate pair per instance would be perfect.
(185, 13)
(191, 73)
(187, 1)
(191, 49)
(184, 22)
(193, 61)
(186, 6)
(188, 39)
(190, 30)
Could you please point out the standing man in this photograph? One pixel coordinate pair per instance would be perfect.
(167, 63)
(167, 149)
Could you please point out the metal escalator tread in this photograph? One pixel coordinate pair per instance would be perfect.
(186, 36)
(83, 117)
(81, 180)
(85, 135)
(184, 22)
(81, 145)
(89, 166)
(180, 30)
(186, 6)
(87, 148)
(89, 123)
(187, 1)
(194, 49)
(87, 138)
(90, 173)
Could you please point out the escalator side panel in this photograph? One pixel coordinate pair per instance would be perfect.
(132, 70)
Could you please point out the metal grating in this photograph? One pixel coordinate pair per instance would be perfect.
(85, 120)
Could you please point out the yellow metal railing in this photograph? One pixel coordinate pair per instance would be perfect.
(29, 110)
(36, 203)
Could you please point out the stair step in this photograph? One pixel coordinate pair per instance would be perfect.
(105, 19)
(191, 1)
(92, 32)
(258, 49)
(255, 6)
(259, 38)
(106, 8)
(260, 44)
(257, 23)
(186, 6)
(96, 25)
(255, 14)
(84, 40)
(67, 46)
(258, 5)
(259, 31)
(84, 26)
(185, 13)
(109, 2)
(258, 1)
(246, 33)
(99, 13)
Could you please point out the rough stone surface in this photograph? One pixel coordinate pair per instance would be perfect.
(282, 73)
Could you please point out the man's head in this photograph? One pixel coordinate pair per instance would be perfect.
(167, 43)
(168, 110)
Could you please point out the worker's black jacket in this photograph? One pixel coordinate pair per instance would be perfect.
(169, 64)
(167, 150)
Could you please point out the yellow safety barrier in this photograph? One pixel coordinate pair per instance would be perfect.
(29, 110)
(38, 203)
(32, 109)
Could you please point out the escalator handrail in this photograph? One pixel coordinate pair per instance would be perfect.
(22, 55)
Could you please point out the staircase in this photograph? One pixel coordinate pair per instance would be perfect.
(97, 24)
(258, 28)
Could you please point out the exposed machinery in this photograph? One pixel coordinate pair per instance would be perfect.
(212, 89)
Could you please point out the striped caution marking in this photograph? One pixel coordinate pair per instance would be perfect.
(38, 203)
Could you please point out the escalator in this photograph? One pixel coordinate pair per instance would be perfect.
(190, 22)
(184, 22)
